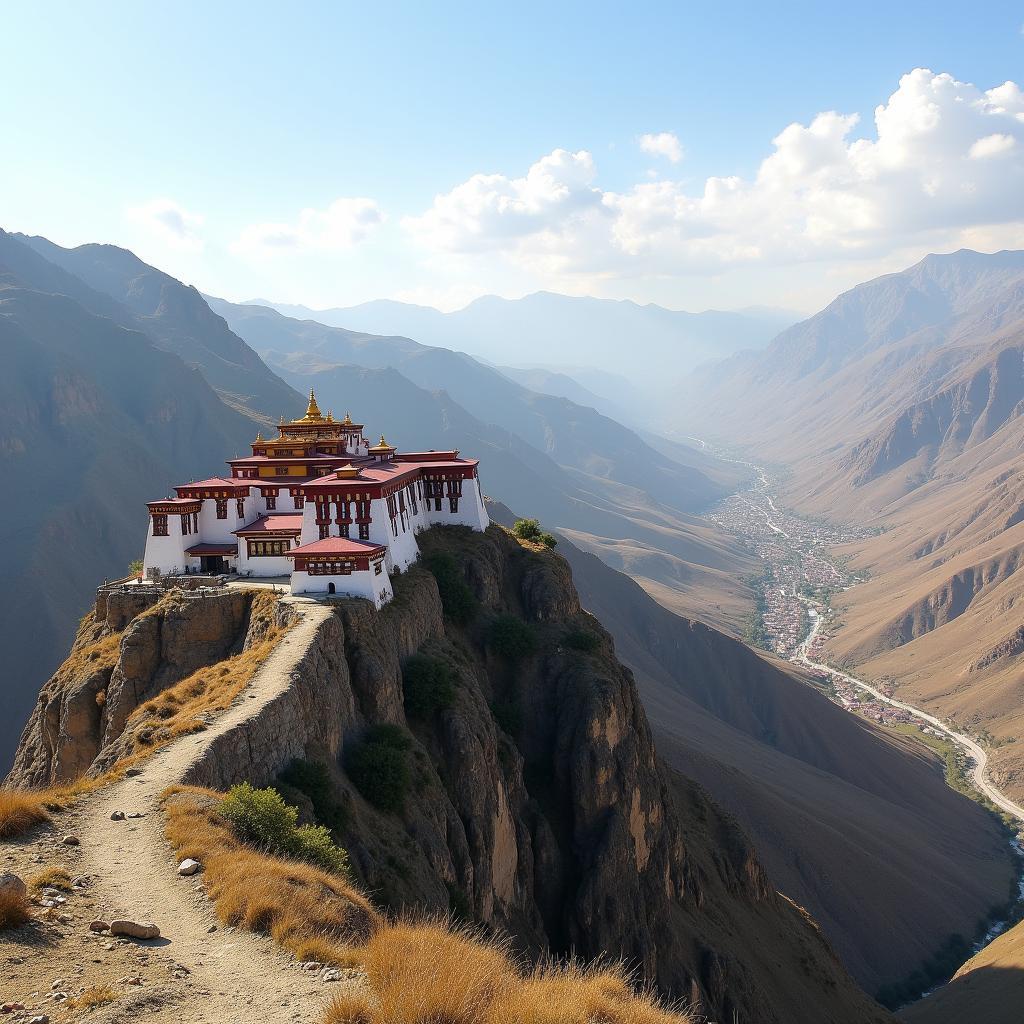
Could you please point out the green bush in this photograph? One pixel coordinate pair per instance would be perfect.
(379, 767)
(581, 640)
(262, 818)
(511, 638)
(313, 843)
(508, 714)
(456, 598)
(529, 529)
(428, 684)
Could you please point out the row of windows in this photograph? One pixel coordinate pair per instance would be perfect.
(268, 548)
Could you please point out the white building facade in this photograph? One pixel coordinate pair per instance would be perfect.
(317, 504)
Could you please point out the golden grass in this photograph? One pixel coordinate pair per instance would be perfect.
(429, 972)
(95, 995)
(13, 909)
(20, 810)
(305, 909)
(51, 878)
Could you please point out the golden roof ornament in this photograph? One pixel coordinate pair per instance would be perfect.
(347, 421)
(259, 435)
(313, 410)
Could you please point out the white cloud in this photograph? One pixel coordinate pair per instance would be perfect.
(169, 222)
(822, 193)
(664, 144)
(992, 145)
(342, 225)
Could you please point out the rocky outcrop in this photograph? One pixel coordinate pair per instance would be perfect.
(134, 644)
(534, 802)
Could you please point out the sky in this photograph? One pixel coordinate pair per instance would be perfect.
(694, 155)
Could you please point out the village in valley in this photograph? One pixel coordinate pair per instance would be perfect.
(794, 614)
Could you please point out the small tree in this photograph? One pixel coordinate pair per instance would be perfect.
(529, 530)
(135, 567)
(379, 767)
(456, 598)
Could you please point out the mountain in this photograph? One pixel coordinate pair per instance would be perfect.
(94, 421)
(618, 495)
(532, 800)
(175, 317)
(636, 341)
(815, 786)
(899, 407)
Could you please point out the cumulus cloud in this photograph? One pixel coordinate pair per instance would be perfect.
(169, 222)
(664, 144)
(342, 225)
(944, 158)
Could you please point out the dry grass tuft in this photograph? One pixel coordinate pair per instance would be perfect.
(427, 972)
(13, 909)
(95, 995)
(51, 878)
(20, 810)
(350, 1008)
(302, 907)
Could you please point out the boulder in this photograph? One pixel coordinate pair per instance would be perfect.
(12, 885)
(135, 929)
(188, 867)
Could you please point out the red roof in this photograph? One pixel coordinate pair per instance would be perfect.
(212, 549)
(280, 522)
(391, 471)
(174, 501)
(337, 546)
(214, 482)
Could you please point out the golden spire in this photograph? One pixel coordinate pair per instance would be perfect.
(259, 435)
(330, 415)
(347, 420)
(382, 442)
(312, 410)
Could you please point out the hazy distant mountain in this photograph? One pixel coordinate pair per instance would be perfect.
(176, 318)
(638, 342)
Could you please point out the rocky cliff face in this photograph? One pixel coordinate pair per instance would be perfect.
(531, 800)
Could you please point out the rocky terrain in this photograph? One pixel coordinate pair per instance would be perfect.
(536, 803)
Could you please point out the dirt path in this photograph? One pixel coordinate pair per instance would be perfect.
(225, 976)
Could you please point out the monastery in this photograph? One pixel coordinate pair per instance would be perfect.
(318, 504)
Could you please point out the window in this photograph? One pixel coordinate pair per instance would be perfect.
(222, 508)
(325, 530)
(271, 502)
(299, 501)
(186, 522)
(281, 470)
(378, 568)
(453, 502)
(364, 531)
(267, 548)
(160, 525)
(240, 507)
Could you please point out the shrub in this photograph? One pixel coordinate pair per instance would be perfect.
(379, 767)
(508, 714)
(511, 638)
(456, 598)
(261, 818)
(50, 878)
(581, 640)
(428, 685)
(529, 529)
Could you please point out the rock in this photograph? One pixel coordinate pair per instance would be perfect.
(188, 867)
(59, 983)
(117, 816)
(12, 885)
(313, 965)
(132, 773)
(41, 1018)
(134, 929)
(71, 841)
(98, 926)
(331, 974)
(134, 814)
(212, 928)
(11, 1007)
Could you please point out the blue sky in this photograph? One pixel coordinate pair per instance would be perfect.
(196, 134)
